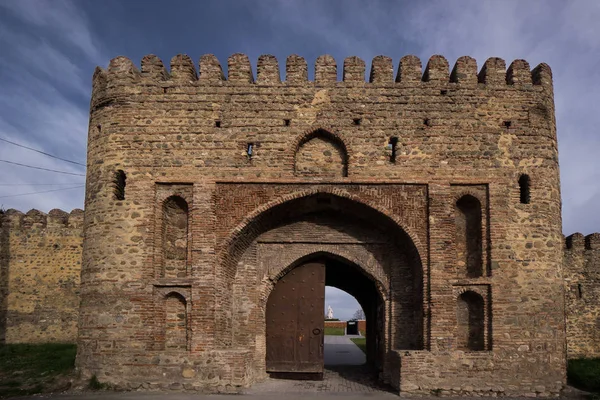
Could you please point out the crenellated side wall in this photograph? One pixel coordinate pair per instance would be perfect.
(39, 284)
(582, 294)
(494, 73)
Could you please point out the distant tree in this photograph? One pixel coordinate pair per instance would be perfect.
(359, 314)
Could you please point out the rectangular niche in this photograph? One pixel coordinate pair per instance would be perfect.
(470, 204)
(172, 230)
(473, 329)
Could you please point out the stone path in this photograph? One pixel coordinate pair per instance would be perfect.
(336, 379)
(344, 372)
(340, 350)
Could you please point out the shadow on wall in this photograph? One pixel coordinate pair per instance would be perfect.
(4, 257)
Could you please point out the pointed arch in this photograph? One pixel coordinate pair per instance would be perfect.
(320, 153)
(255, 222)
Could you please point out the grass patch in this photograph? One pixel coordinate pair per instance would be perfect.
(27, 369)
(361, 343)
(95, 384)
(584, 374)
(329, 330)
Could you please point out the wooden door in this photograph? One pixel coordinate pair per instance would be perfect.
(295, 322)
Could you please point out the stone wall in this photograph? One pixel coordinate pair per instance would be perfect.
(248, 154)
(582, 284)
(440, 188)
(40, 264)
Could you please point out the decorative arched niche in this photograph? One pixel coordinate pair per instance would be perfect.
(469, 243)
(321, 154)
(470, 315)
(175, 217)
(175, 322)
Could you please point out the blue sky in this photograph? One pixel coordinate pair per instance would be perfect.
(49, 48)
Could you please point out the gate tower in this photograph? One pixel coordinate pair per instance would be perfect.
(432, 195)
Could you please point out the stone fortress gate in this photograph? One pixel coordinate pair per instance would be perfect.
(217, 209)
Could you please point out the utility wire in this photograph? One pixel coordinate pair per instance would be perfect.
(43, 191)
(43, 169)
(40, 184)
(42, 152)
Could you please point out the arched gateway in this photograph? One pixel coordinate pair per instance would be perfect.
(296, 247)
(403, 191)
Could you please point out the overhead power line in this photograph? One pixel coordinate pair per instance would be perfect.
(42, 152)
(43, 169)
(43, 191)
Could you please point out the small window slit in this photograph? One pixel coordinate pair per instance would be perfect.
(524, 189)
(392, 145)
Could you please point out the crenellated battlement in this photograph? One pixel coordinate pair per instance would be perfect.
(581, 274)
(578, 242)
(493, 73)
(56, 218)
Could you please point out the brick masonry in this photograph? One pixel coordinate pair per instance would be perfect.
(362, 325)
(203, 191)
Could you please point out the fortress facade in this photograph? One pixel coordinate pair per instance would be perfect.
(217, 209)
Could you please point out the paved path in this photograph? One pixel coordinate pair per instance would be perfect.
(199, 396)
(345, 372)
(339, 350)
(337, 379)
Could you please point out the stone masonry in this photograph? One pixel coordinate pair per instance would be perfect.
(433, 195)
(40, 267)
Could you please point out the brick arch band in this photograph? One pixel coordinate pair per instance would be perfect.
(380, 281)
(249, 228)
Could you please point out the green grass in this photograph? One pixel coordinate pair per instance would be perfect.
(334, 331)
(361, 343)
(34, 368)
(584, 374)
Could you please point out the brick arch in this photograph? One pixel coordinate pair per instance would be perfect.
(330, 135)
(371, 293)
(466, 192)
(482, 291)
(310, 132)
(374, 273)
(178, 293)
(246, 226)
(239, 311)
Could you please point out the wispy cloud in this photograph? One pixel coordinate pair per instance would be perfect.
(48, 50)
(44, 100)
(60, 18)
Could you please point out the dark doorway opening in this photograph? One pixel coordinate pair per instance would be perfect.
(292, 328)
(343, 342)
